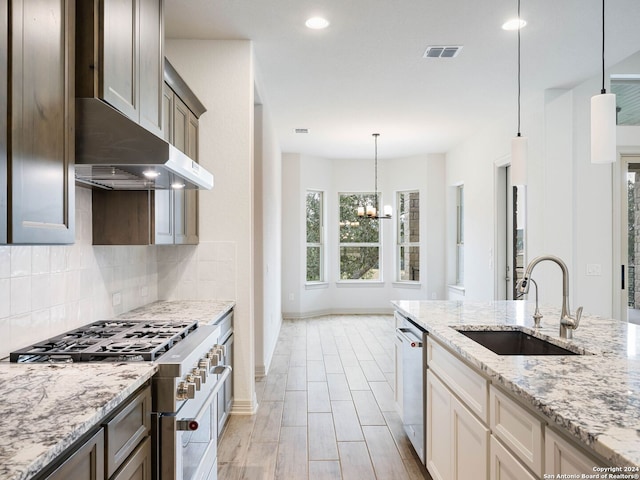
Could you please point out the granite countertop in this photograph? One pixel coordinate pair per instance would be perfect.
(594, 397)
(204, 311)
(45, 408)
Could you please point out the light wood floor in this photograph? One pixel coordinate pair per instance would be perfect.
(326, 408)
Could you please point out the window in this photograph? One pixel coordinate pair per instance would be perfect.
(408, 247)
(315, 234)
(359, 239)
(460, 235)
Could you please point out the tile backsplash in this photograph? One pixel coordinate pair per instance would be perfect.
(47, 290)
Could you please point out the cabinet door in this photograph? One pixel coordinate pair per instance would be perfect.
(563, 458)
(42, 200)
(120, 48)
(4, 31)
(87, 463)
(470, 440)
(191, 196)
(439, 439)
(164, 202)
(151, 65)
(180, 124)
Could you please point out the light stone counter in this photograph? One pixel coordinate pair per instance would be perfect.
(595, 397)
(44, 408)
(204, 311)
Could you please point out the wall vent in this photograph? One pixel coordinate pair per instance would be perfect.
(301, 130)
(442, 51)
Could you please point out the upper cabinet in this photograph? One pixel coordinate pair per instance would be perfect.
(37, 122)
(119, 57)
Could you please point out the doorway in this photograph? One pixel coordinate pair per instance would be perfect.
(510, 235)
(628, 278)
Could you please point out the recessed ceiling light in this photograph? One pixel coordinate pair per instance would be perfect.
(514, 24)
(317, 23)
(301, 130)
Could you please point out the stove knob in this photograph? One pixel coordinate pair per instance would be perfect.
(195, 379)
(221, 349)
(204, 364)
(200, 374)
(213, 357)
(186, 391)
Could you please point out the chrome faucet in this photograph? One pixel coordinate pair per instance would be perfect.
(567, 323)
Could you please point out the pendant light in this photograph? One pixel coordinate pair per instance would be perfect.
(603, 120)
(372, 211)
(519, 143)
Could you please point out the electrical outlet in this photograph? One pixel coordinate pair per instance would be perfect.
(116, 299)
(291, 297)
(594, 269)
(144, 291)
(434, 296)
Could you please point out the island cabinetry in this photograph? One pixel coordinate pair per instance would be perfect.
(120, 57)
(119, 449)
(561, 457)
(86, 463)
(457, 432)
(476, 429)
(517, 429)
(37, 191)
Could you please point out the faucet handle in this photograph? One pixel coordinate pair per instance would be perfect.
(578, 316)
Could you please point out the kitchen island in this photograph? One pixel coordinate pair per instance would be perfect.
(593, 398)
(45, 408)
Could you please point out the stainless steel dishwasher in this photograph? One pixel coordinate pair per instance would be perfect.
(414, 374)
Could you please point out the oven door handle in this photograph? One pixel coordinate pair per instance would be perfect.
(190, 424)
(414, 342)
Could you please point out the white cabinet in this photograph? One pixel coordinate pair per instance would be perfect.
(457, 441)
(563, 458)
(518, 429)
(504, 466)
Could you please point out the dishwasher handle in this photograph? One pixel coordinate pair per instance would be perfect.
(403, 334)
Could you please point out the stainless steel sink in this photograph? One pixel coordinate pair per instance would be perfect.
(514, 342)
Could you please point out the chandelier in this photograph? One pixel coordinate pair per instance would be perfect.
(372, 211)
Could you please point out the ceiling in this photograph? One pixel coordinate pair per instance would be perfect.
(365, 73)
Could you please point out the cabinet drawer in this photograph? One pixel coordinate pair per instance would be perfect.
(460, 378)
(561, 457)
(138, 466)
(125, 431)
(517, 428)
(505, 466)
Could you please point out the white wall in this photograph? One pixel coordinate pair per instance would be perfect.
(47, 290)
(333, 176)
(221, 75)
(268, 240)
(569, 199)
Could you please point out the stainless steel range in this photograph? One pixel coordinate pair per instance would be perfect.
(185, 388)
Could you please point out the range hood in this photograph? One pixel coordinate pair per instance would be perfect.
(115, 153)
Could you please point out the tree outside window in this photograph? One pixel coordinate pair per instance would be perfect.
(359, 239)
(315, 233)
(408, 237)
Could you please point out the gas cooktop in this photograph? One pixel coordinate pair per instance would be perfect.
(108, 340)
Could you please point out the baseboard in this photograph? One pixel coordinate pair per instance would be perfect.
(337, 311)
(244, 407)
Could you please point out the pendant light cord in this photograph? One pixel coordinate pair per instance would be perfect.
(603, 89)
(519, 28)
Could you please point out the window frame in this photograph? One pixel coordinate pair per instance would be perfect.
(378, 244)
(322, 239)
(460, 235)
(406, 244)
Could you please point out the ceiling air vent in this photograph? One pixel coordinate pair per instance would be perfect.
(301, 130)
(442, 51)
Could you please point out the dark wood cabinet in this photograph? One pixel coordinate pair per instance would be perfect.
(86, 463)
(119, 449)
(120, 56)
(37, 122)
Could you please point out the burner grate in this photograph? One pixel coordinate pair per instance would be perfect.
(108, 340)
